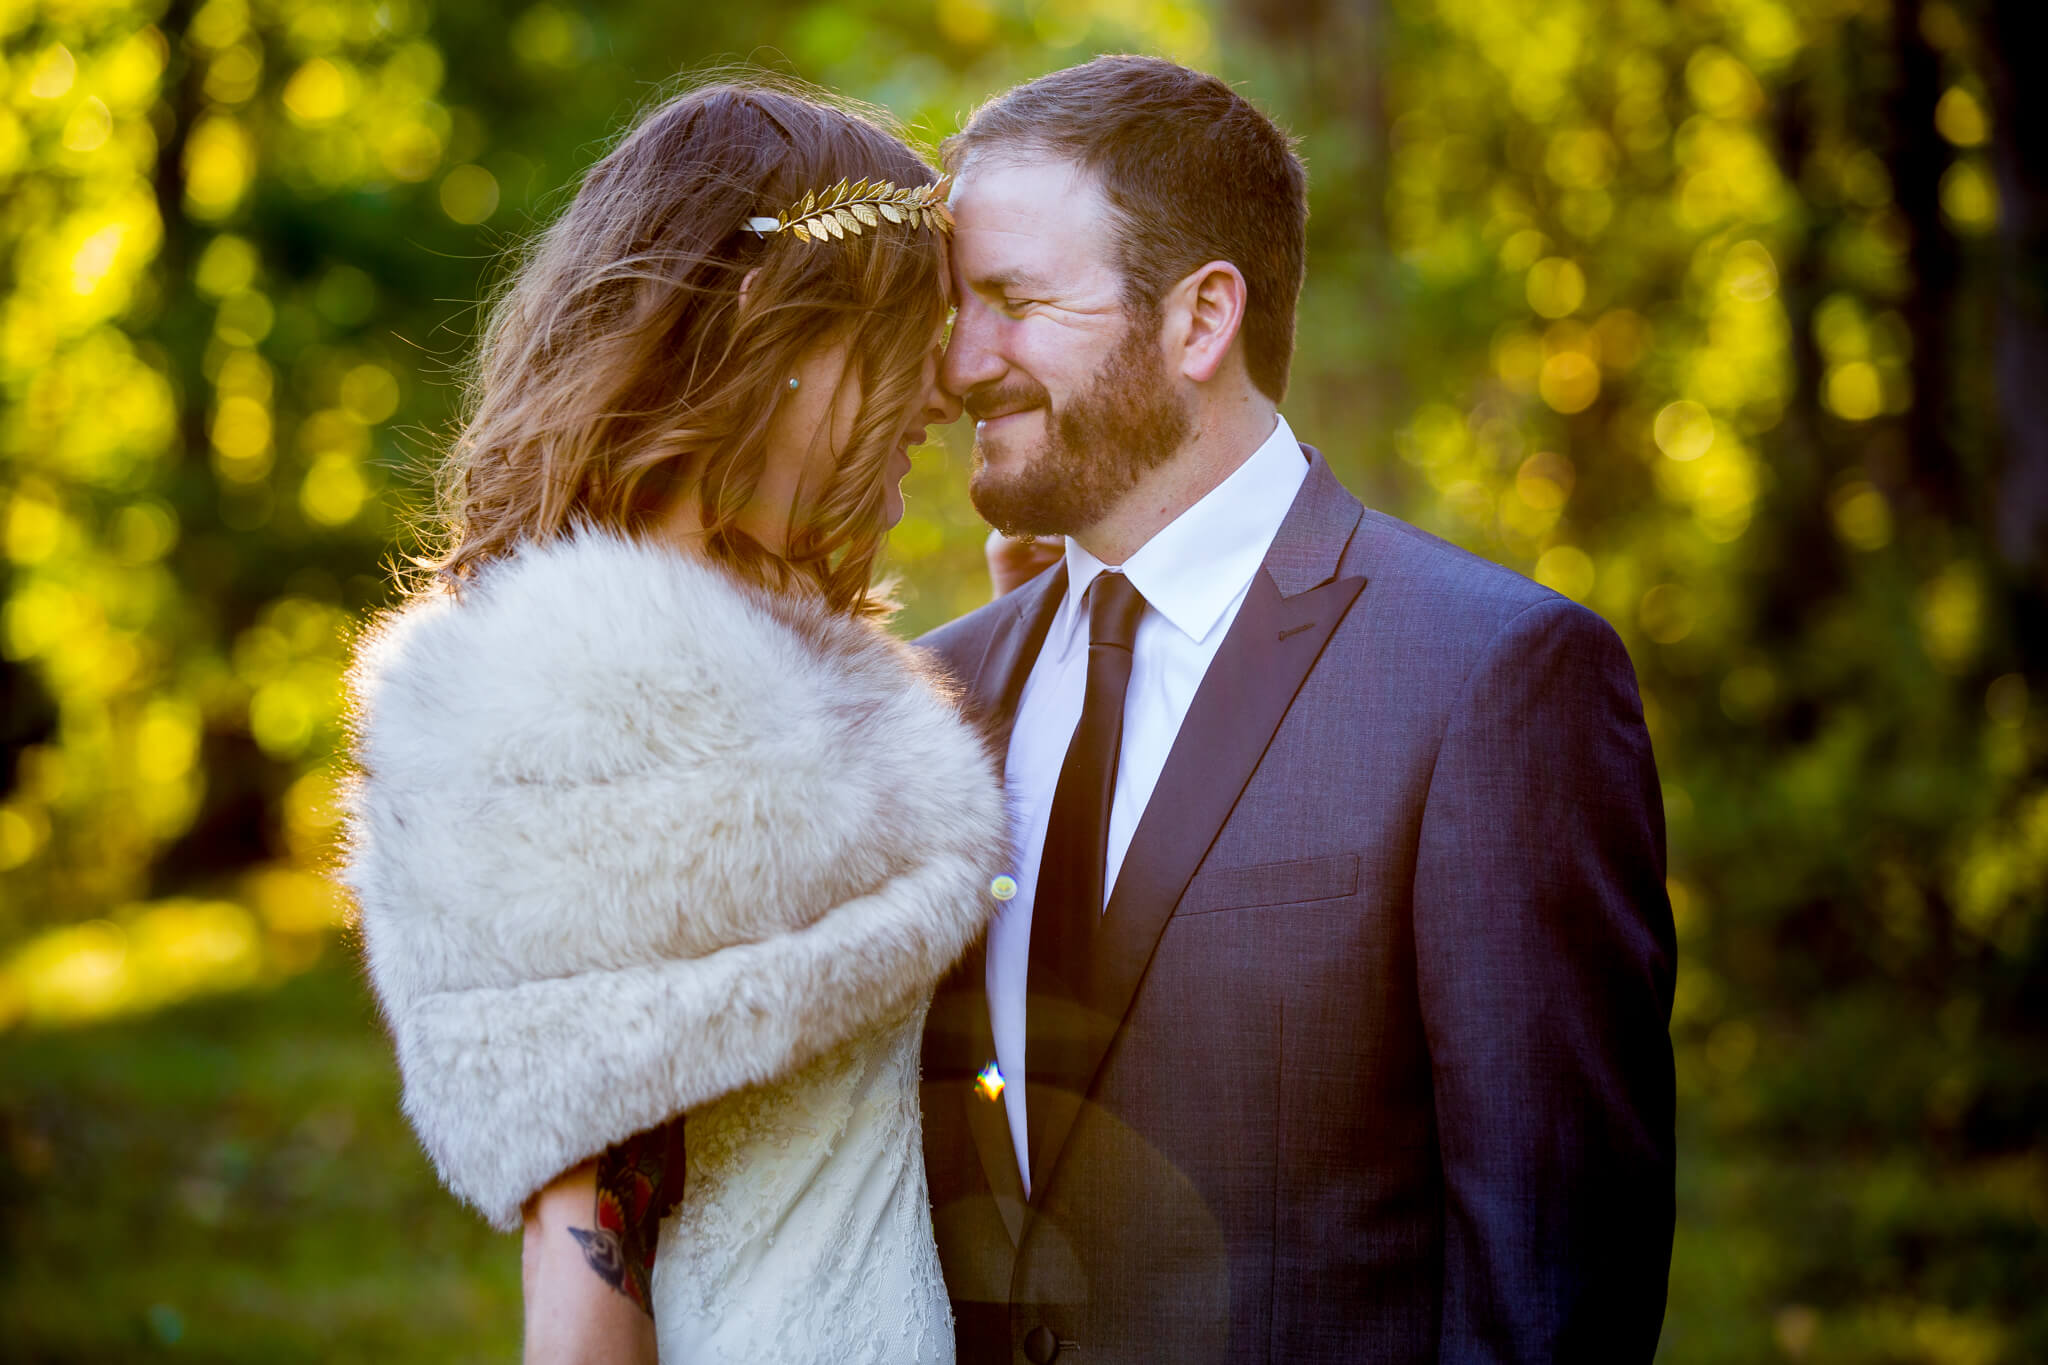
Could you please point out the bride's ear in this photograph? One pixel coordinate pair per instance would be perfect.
(747, 283)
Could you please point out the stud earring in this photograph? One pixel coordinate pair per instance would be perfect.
(794, 383)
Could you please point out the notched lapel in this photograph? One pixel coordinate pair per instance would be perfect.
(958, 1040)
(1012, 649)
(1294, 605)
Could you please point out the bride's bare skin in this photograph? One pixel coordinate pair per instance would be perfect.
(575, 1317)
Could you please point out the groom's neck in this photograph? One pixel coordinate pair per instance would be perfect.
(1223, 435)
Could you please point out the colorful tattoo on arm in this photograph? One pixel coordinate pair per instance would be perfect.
(604, 1255)
(639, 1183)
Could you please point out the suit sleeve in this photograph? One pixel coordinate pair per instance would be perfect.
(1544, 949)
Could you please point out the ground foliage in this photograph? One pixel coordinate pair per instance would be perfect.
(1725, 317)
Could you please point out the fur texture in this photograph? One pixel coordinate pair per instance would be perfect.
(627, 835)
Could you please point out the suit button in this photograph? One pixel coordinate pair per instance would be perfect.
(1040, 1345)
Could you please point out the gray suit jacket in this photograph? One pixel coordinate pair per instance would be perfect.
(1378, 1041)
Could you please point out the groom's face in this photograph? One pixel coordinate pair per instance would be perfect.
(1066, 381)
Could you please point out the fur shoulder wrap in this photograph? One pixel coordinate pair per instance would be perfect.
(627, 835)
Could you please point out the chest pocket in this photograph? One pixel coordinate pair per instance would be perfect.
(1288, 883)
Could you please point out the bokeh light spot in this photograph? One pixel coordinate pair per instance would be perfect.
(2005, 700)
(1853, 392)
(1721, 85)
(1545, 480)
(1952, 617)
(1969, 197)
(235, 74)
(219, 162)
(469, 194)
(144, 532)
(167, 740)
(318, 92)
(1749, 273)
(966, 22)
(245, 318)
(1668, 613)
(1566, 569)
(548, 35)
(369, 393)
(1961, 119)
(52, 76)
(88, 127)
(1569, 381)
(227, 266)
(1862, 516)
(1683, 430)
(345, 295)
(1556, 287)
(334, 491)
(241, 437)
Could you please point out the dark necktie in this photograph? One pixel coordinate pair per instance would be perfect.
(1066, 914)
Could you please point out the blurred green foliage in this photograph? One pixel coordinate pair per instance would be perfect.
(1711, 313)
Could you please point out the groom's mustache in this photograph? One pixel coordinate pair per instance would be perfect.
(1000, 398)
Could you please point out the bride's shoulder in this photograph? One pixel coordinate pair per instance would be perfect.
(591, 611)
(595, 648)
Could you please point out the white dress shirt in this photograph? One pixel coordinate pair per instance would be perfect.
(1194, 575)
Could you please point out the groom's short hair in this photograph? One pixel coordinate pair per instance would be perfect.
(1192, 171)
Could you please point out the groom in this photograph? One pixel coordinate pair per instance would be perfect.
(1325, 1018)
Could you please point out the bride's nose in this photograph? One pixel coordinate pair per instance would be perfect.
(941, 405)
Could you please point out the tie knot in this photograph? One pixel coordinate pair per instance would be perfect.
(1114, 607)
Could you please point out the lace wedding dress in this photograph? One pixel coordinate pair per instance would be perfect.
(805, 1231)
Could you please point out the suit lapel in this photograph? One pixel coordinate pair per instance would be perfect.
(963, 1043)
(1012, 648)
(1294, 604)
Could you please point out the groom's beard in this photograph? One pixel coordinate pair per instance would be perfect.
(1094, 449)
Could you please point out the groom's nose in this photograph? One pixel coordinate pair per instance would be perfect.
(971, 357)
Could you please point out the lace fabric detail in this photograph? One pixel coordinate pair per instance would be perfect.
(805, 1233)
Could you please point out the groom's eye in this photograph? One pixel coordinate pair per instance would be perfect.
(1016, 307)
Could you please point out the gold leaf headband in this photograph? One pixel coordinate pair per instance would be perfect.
(831, 214)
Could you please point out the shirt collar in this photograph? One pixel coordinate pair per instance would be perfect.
(1195, 567)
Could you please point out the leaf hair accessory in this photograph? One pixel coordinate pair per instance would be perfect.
(830, 214)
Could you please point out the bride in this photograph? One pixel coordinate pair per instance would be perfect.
(660, 840)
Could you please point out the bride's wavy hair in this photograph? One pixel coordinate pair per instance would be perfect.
(619, 366)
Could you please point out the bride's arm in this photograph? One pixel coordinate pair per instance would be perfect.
(578, 1311)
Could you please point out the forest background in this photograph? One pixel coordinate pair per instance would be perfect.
(1726, 317)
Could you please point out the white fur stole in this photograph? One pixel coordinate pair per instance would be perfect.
(627, 835)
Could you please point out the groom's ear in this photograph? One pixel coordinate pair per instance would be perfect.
(1203, 314)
